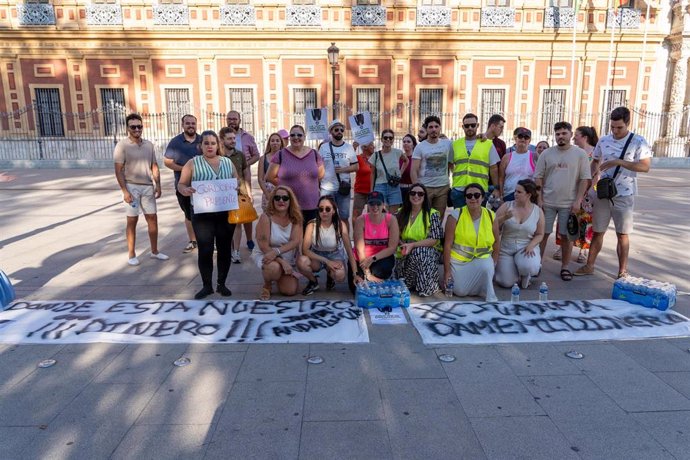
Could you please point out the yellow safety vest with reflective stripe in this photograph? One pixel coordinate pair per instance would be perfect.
(469, 168)
(415, 232)
(468, 244)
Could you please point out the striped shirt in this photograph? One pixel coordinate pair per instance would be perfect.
(204, 171)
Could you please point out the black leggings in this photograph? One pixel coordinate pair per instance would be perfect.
(213, 228)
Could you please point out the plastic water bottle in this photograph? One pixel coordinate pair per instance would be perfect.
(543, 292)
(515, 293)
(449, 287)
(133, 203)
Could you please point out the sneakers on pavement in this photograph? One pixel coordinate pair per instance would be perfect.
(159, 256)
(312, 287)
(190, 247)
(250, 245)
(330, 283)
(236, 257)
(133, 261)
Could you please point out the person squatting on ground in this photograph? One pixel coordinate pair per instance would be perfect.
(521, 226)
(471, 247)
(326, 245)
(179, 151)
(278, 236)
(376, 240)
(212, 228)
(420, 234)
(611, 159)
(137, 174)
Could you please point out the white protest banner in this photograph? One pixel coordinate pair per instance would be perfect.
(317, 124)
(361, 127)
(387, 315)
(214, 195)
(175, 321)
(553, 321)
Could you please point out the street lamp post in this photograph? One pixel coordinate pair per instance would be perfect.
(333, 52)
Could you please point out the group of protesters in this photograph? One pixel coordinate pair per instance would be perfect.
(481, 209)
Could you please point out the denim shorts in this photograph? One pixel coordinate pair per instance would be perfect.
(337, 255)
(341, 201)
(391, 195)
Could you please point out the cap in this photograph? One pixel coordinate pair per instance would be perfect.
(523, 131)
(375, 197)
(573, 225)
(335, 123)
(283, 133)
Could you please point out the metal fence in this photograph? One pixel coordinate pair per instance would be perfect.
(37, 132)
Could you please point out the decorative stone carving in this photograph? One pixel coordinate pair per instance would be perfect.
(237, 15)
(678, 85)
(498, 16)
(627, 18)
(35, 14)
(559, 18)
(104, 15)
(170, 15)
(368, 15)
(303, 16)
(433, 16)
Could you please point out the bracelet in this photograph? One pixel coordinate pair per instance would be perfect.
(277, 250)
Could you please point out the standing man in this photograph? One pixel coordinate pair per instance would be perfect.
(137, 174)
(494, 129)
(430, 164)
(244, 176)
(608, 160)
(180, 150)
(339, 160)
(245, 143)
(472, 160)
(562, 176)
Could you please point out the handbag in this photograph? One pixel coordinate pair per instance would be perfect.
(606, 187)
(392, 180)
(343, 186)
(245, 213)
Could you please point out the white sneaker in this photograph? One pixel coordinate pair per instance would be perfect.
(236, 257)
(159, 256)
(133, 261)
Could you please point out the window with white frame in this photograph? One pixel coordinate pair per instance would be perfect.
(369, 100)
(114, 110)
(612, 98)
(552, 108)
(368, 2)
(177, 104)
(304, 2)
(492, 102)
(498, 3)
(303, 99)
(561, 3)
(242, 100)
(49, 111)
(433, 2)
(430, 102)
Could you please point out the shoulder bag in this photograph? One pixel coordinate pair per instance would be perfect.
(392, 180)
(343, 186)
(606, 187)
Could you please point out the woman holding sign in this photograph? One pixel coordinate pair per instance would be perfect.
(211, 228)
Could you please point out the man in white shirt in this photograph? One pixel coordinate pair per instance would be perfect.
(339, 160)
(430, 164)
(607, 162)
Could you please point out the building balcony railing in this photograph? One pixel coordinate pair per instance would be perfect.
(368, 15)
(170, 15)
(303, 16)
(623, 18)
(559, 18)
(498, 16)
(36, 14)
(238, 15)
(104, 15)
(433, 16)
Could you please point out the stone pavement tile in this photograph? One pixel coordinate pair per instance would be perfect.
(13, 440)
(345, 398)
(217, 347)
(426, 420)
(486, 386)
(633, 387)
(682, 343)
(93, 424)
(193, 394)
(342, 361)
(678, 380)
(93, 348)
(274, 362)
(41, 292)
(656, 355)
(398, 353)
(521, 437)
(184, 442)
(670, 429)
(19, 361)
(345, 440)
(142, 363)
(260, 420)
(566, 395)
(536, 359)
(610, 436)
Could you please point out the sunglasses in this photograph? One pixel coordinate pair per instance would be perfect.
(419, 194)
(387, 138)
(296, 135)
(326, 209)
(135, 127)
(473, 196)
(469, 125)
(523, 136)
(281, 197)
(338, 130)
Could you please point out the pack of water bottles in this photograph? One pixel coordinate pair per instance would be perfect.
(391, 293)
(648, 293)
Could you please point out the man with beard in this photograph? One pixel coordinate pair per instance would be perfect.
(494, 129)
(472, 160)
(430, 164)
(563, 176)
(339, 160)
(179, 151)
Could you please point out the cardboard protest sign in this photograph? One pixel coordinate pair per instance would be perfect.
(317, 124)
(362, 128)
(214, 195)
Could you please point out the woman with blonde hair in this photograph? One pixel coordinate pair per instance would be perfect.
(273, 146)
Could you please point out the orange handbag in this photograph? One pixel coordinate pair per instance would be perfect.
(246, 212)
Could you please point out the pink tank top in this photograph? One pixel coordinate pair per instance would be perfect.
(375, 236)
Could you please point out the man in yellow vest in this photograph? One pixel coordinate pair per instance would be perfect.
(474, 161)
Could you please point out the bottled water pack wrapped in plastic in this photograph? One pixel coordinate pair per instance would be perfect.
(648, 293)
(391, 293)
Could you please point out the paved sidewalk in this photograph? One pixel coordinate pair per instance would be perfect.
(62, 237)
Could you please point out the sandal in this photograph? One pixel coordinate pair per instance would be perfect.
(623, 274)
(265, 294)
(566, 275)
(583, 271)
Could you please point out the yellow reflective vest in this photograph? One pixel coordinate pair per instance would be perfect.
(474, 167)
(467, 243)
(415, 232)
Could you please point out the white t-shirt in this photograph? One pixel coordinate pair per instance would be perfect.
(344, 156)
(609, 148)
(433, 170)
(561, 170)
